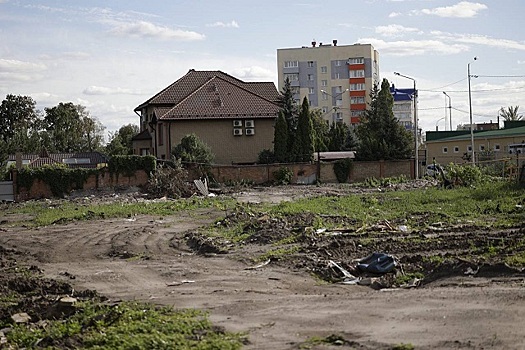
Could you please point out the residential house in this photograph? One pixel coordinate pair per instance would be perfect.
(234, 118)
(337, 79)
(72, 160)
(456, 147)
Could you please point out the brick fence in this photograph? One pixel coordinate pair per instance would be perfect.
(303, 173)
(103, 180)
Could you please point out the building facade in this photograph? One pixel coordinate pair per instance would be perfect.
(234, 118)
(403, 106)
(336, 79)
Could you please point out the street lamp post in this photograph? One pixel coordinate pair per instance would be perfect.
(449, 109)
(416, 132)
(334, 98)
(470, 112)
(440, 119)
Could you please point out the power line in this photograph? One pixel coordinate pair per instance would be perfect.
(501, 76)
(444, 86)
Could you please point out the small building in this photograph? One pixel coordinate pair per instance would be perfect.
(72, 160)
(456, 147)
(234, 118)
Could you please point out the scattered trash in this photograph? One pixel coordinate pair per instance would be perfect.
(377, 263)
(202, 186)
(21, 318)
(471, 272)
(403, 228)
(413, 283)
(343, 271)
(173, 284)
(258, 266)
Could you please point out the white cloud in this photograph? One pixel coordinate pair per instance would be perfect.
(521, 62)
(20, 71)
(463, 9)
(101, 90)
(480, 40)
(253, 73)
(394, 30)
(394, 14)
(144, 29)
(414, 47)
(232, 24)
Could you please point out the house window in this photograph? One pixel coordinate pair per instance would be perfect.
(456, 149)
(324, 82)
(356, 60)
(291, 76)
(325, 97)
(357, 113)
(357, 87)
(325, 109)
(357, 73)
(295, 89)
(469, 148)
(445, 149)
(290, 64)
(497, 147)
(337, 76)
(311, 90)
(357, 99)
(481, 148)
(310, 77)
(337, 63)
(324, 69)
(144, 151)
(161, 134)
(310, 64)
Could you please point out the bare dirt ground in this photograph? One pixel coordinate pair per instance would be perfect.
(282, 304)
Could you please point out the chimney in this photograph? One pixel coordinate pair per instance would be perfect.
(335, 42)
(314, 43)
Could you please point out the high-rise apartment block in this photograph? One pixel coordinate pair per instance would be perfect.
(336, 79)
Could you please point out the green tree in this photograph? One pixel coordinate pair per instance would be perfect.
(120, 142)
(510, 114)
(70, 128)
(289, 110)
(380, 134)
(321, 129)
(192, 149)
(303, 148)
(19, 126)
(280, 139)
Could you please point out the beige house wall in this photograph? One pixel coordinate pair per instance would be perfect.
(446, 151)
(219, 136)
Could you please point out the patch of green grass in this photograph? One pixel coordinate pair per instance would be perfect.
(516, 260)
(333, 339)
(127, 326)
(42, 214)
(403, 279)
(434, 259)
(403, 346)
(278, 253)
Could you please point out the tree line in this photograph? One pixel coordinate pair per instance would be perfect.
(64, 128)
(300, 131)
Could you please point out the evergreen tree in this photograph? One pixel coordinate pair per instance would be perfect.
(304, 139)
(380, 134)
(321, 130)
(280, 139)
(289, 109)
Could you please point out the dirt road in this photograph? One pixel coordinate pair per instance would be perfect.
(280, 307)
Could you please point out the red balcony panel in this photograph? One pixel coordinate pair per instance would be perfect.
(355, 120)
(357, 80)
(358, 107)
(356, 66)
(358, 93)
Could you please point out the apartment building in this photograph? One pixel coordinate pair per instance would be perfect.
(336, 79)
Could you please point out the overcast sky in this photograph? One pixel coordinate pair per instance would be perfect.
(111, 56)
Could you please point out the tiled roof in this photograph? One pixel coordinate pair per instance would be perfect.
(193, 80)
(144, 135)
(36, 160)
(509, 132)
(219, 98)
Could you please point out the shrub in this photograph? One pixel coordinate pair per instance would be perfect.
(283, 176)
(266, 156)
(342, 169)
(170, 180)
(128, 165)
(464, 175)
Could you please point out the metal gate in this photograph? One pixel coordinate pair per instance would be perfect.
(6, 191)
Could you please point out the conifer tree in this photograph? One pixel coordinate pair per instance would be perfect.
(380, 134)
(280, 139)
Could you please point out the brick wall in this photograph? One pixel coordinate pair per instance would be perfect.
(104, 180)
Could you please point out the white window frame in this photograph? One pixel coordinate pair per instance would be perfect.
(337, 75)
(357, 87)
(324, 69)
(444, 149)
(324, 82)
(311, 90)
(360, 73)
(310, 64)
(497, 147)
(356, 60)
(456, 149)
(291, 64)
(310, 77)
(337, 63)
